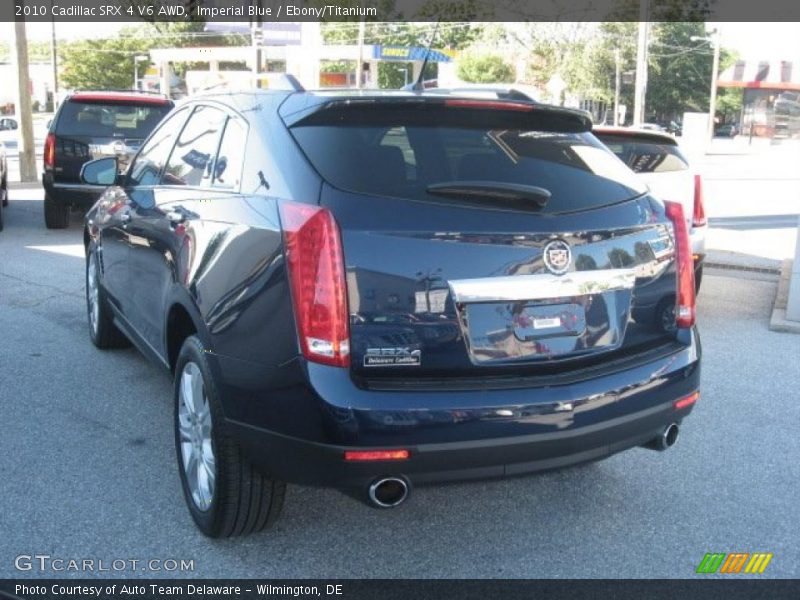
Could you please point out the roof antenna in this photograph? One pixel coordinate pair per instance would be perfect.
(419, 84)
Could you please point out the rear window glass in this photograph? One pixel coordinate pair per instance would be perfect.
(389, 155)
(96, 119)
(645, 156)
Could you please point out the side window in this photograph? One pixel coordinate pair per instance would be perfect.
(150, 161)
(230, 160)
(192, 158)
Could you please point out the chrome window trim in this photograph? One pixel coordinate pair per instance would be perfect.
(517, 288)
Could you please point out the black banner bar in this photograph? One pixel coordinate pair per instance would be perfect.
(735, 588)
(267, 11)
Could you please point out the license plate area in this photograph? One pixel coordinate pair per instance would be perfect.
(501, 332)
(540, 321)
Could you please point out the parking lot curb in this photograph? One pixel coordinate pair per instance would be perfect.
(28, 185)
(778, 320)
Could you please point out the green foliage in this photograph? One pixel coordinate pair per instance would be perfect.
(338, 66)
(679, 69)
(485, 68)
(453, 35)
(108, 63)
(99, 64)
(37, 51)
(679, 76)
(729, 104)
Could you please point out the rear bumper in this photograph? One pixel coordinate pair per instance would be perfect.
(80, 195)
(308, 463)
(473, 434)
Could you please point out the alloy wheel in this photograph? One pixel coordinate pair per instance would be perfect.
(194, 424)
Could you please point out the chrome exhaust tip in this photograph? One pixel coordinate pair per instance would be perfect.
(388, 492)
(665, 440)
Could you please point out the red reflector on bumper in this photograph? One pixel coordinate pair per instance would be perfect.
(376, 455)
(687, 401)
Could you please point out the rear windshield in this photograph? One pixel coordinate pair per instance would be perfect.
(95, 119)
(388, 154)
(646, 156)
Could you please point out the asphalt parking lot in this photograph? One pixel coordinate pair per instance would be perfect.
(87, 461)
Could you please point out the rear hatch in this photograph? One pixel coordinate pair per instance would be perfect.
(91, 126)
(485, 238)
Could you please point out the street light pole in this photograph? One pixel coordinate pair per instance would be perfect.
(712, 104)
(360, 65)
(136, 60)
(640, 86)
(54, 55)
(617, 76)
(713, 39)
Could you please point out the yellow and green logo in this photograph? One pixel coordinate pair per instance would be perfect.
(735, 562)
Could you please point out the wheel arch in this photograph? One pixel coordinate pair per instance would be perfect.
(182, 319)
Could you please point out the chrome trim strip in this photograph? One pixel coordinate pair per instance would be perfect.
(80, 187)
(516, 288)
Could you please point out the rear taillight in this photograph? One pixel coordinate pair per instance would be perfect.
(50, 150)
(685, 300)
(367, 455)
(686, 401)
(699, 213)
(317, 277)
(491, 104)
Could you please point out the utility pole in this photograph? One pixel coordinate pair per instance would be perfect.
(617, 76)
(640, 88)
(713, 39)
(256, 35)
(360, 66)
(712, 104)
(27, 156)
(54, 55)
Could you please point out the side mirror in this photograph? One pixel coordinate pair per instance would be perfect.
(102, 171)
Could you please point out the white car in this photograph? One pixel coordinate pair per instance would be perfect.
(659, 161)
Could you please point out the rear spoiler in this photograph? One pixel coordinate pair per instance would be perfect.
(320, 109)
(637, 135)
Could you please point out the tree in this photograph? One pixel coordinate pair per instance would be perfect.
(108, 63)
(455, 34)
(99, 64)
(679, 70)
(485, 68)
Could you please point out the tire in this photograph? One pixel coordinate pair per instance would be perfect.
(4, 190)
(102, 331)
(226, 495)
(698, 277)
(56, 213)
(664, 317)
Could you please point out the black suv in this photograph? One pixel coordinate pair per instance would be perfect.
(90, 125)
(374, 290)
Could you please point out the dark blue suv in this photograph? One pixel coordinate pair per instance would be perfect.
(373, 290)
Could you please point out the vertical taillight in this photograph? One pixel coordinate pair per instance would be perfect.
(317, 276)
(699, 213)
(684, 265)
(50, 150)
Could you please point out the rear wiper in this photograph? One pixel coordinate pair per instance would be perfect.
(492, 190)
